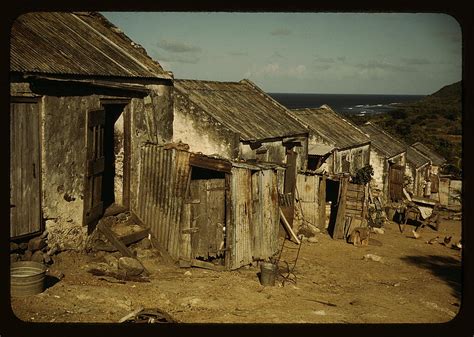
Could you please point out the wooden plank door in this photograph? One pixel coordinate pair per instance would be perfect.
(25, 197)
(93, 204)
(395, 184)
(207, 217)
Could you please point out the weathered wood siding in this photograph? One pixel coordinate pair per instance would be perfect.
(265, 214)
(25, 197)
(163, 179)
(307, 194)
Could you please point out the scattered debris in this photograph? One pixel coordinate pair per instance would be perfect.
(359, 236)
(447, 240)
(36, 243)
(118, 275)
(187, 273)
(374, 242)
(313, 240)
(322, 302)
(433, 241)
(377, 230)
(372, 257)
(415, 234)
(320, 312)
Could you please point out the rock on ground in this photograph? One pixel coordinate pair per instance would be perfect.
(130, 266)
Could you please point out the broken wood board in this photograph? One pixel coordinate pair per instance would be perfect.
(206, 265)
(126, 240)
(118, 244)
(288, 227)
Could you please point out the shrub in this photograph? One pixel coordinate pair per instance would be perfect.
(363, 175)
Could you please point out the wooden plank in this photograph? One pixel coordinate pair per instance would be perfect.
(96, 117)
(210, 163)
(113, 239)
(338, 232)
(95, 166)
(126, 240)
(322, 202)
(288, 227)
(206, 265)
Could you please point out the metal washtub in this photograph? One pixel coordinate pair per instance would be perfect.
(27, 278)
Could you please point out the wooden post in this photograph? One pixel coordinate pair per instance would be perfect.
(288, 227)
(322, 202)
(338, 232)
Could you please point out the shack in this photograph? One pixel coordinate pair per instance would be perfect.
(209, 211)
(418, 168)
(238, 121)
(333, 140)
(336, 149)
(388, 160)
(83, 100)
(437, 162)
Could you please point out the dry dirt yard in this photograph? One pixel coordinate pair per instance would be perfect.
(414, 282)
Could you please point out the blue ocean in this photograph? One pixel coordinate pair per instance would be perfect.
(345, 103)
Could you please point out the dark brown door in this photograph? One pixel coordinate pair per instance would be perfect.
(93, 204)
(207, 217)
(25, 201)
(395, 185)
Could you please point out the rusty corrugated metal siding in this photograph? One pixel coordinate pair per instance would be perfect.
(331, 126)
(164, 176)
(241, 208)
(307, 192)
(242, 108)
(77, 44)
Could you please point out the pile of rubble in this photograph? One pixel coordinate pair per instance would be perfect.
(36, 249)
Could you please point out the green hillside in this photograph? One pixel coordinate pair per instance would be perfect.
(435, 120)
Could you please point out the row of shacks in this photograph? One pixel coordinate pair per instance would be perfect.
(210, 167)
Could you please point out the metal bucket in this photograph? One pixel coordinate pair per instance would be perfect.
(27, 278)
(267, 273)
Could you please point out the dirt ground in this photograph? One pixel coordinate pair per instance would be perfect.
(414, 282)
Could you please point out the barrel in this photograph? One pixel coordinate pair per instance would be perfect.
(27, 278)
(267, 274)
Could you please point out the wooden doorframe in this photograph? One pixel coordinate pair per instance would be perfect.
(34, 100)
(127, 143)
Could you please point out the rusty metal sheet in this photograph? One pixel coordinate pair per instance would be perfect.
(77, 44)
(243, 108)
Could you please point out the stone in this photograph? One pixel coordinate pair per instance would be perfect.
(187, 273)
(313, 240)
(145, 243)
(130, 266)
(44, 234)
(13, 247)
(36, 243)
(47, 259)
(27, 256)
(372, 257)
(111, 261)
(14, 257)
(23, 246)
(308, 230)
(37, 256)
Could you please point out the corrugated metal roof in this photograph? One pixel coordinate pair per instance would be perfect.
(242, 107)
(319, 149)
(436, 159)
(386, 144)
(77, 44)
(331, 126)
(416, 158)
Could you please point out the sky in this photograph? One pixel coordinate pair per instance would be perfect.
(337, 53)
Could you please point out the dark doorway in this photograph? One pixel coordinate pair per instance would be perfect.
(332, 195)
(112, 183)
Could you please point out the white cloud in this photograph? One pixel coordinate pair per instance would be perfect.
(274, 69)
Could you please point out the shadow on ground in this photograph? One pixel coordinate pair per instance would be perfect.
(445, 268)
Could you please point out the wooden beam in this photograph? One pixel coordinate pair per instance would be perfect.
(288, 227)
(114, 240)
(206, 265)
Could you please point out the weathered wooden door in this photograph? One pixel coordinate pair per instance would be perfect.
(25, 201)
(207, 217)
(93, 204)
(395, 184)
